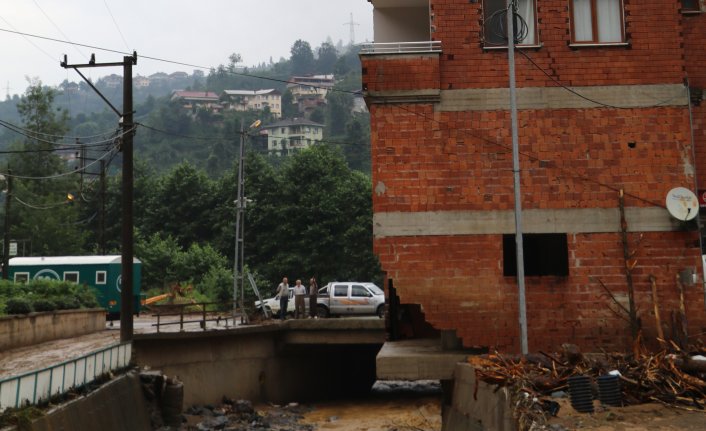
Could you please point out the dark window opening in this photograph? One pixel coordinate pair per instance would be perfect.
(691, 5)
(544, 254)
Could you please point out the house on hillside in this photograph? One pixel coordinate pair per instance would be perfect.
(140, 81)
(197, 99)
(288, 136)
(254, 100)
(309, 92)
(603, 107)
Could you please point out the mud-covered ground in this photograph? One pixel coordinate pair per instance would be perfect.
(397, 406)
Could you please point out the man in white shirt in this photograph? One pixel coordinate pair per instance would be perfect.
(299, 304)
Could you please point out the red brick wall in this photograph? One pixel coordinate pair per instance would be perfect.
(654, 54)
(395, 73)
(694, 29)
(570, 158)
(459, 282)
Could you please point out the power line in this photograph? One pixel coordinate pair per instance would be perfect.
(15, 127)
(116, 24)
(61, 174)
(178, 63)
(536, 159)
(220, 139)
(57, 27)
(28, 134)
(576, 93)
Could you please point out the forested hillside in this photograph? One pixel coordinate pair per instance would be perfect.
(311, 212)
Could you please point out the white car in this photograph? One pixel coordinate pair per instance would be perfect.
(271, 305)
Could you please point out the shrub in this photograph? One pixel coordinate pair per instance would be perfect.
(67, 303)
(44, 304)
(18, 306)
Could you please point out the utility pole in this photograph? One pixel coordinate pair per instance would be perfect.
(240, 205)
(239, 240)
(126, 120)
(101, 234)
(6, 236)
(519, 252)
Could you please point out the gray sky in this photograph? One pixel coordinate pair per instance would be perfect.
(202, 33)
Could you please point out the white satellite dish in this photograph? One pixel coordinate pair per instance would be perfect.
(682, 204)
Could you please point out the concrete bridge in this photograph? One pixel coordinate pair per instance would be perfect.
(296, 360)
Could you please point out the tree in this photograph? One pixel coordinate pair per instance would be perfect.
(312, 216)
(302, 58)
(42, 214)
(327, 58)
(289, 107)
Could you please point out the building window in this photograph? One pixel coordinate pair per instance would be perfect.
(597, 21)
(691, 5)
(71, 276)
(544, 254)
(101, 277)
(495, 23)
(21, 277)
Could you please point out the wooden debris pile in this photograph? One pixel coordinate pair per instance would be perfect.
(675, 377)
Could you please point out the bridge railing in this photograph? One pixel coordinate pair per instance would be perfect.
(41, 385)
(196, 312)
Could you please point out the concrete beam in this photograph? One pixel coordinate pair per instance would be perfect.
(569, 220)
(497, 99)
(421, 359)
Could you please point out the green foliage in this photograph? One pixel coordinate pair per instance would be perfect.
(18, 305)
(302, 58)
(45, 295)
(43, 304)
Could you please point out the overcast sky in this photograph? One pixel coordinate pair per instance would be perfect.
(202, 33)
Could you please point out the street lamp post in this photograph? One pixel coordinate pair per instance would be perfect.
(240, 205)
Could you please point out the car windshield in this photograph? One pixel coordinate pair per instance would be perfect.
(376, 290)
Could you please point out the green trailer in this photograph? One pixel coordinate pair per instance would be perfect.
(102, 273)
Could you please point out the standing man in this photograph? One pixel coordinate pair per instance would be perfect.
(283, 292)
(313, 291)
(299, 305)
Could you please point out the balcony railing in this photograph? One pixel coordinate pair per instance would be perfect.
(401, 47)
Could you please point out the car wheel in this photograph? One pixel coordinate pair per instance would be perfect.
(267, 311)
(381, 311)
(322, 311)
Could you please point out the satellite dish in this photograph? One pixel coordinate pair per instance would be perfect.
(682, 204)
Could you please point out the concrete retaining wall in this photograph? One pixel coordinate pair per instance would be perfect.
(117, 405)
(34, 328)
(477, 408)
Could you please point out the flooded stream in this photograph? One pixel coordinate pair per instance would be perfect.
(391, 406)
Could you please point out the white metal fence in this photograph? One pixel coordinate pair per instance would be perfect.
(40, 385)
(401, 47)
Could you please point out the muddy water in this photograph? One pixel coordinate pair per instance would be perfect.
(390, 406)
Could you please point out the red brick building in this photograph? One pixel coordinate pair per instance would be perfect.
(610, 98)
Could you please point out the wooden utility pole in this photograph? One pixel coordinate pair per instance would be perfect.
(126, 120)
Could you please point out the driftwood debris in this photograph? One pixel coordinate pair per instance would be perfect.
(674, 378)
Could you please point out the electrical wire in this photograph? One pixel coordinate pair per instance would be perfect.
(27, 38)
(56, 136)
(116, 24)
(64, 147)
(220, 139)
(576, 93)
(43, 207)
(178, 63)
(61, 174)
(543, 163)
(57, 28)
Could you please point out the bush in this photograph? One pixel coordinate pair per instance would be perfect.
(67, 303)
(44, 304)
(18, 306)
